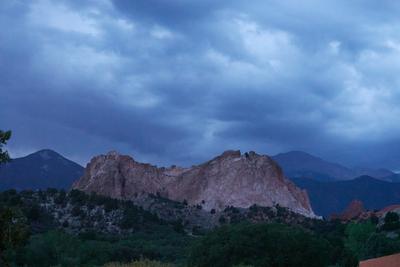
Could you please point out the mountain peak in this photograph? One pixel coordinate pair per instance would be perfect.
(46, 154)
(113, 153)
(230, 153)
(39, 170)
(299, 156)
(301, 164)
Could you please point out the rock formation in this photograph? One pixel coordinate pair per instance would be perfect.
(353, 210)
(231, 179)
(356, 212)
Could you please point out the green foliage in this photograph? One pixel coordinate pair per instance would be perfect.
(111, 204)
(78, 197)
(33, 212)
(145, 236)
(363, 240)
(260, 245)
(334, 232)
(142, 263)
(378, 245)
(13, 231)
(130, 218)
(4, 137)
(61, 198)
(357, 236)
(59, 248)
(76, 211)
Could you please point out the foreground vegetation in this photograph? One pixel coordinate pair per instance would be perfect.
(142, 263)
(31, 236)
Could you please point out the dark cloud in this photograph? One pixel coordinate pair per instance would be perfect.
(178, 81)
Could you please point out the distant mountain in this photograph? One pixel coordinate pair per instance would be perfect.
(333, 197)
(298, 164)
(393, 178)
(40, 170)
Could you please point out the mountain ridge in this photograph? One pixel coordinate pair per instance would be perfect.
(298, 164)
(332, 197)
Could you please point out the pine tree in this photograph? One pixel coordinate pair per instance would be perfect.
(4, 137)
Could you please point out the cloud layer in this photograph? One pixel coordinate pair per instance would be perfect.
(178, 81)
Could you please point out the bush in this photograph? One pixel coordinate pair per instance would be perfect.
(110, 204)
(392, 222)
(60, 199)
(78, 197)
(130, 218)
(379, 245)
(357, 236)
(33, 212)
(76, 211)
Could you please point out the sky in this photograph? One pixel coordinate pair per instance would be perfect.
(179, 81)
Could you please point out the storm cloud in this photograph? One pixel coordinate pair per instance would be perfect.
(177, 82)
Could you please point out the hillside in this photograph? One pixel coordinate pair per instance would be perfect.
(77, 229)
(39, 170)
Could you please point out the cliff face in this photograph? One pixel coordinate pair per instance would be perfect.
(231, 179)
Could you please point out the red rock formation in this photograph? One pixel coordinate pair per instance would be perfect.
(356, 211)
(231, 179)
(353, 210)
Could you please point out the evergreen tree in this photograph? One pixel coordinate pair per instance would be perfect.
(13, 231)
(4, 137)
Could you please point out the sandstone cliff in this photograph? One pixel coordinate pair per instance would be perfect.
(231, 179)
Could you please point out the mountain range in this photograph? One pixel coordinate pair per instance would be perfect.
(40, 170)
(332, 197)
(231, 179)
(298, 164)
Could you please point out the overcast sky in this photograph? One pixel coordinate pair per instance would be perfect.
(179, 81)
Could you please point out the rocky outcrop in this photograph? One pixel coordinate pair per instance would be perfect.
(354, 210)
(231, 179)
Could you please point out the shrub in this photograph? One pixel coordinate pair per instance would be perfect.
(357, 236)
(378, 245)
(60, 199)
(78, 197)
(392, 222)
(76, 211)
(33, 212)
